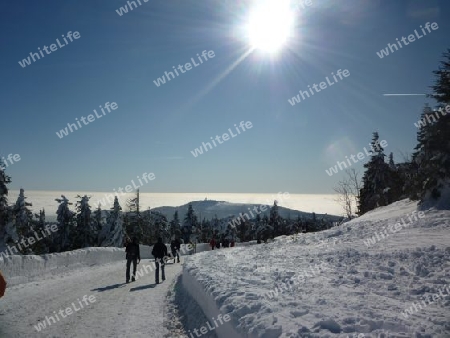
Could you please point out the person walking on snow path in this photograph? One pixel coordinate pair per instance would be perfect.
(159, 252)
(175, 248)
(212, 243)
(133, 255)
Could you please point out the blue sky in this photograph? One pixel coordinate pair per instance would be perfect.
(154, 129)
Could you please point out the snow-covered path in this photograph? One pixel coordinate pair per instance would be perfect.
(119, 310)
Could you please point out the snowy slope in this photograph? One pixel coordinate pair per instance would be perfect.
(357, 280)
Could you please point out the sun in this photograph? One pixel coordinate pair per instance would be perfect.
(270, 25)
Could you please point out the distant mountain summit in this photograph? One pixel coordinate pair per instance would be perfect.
(207, 209)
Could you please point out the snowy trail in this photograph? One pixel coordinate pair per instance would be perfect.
(119, 310)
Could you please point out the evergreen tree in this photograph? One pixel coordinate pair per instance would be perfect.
(206, 232)
(24, 216)
(190, 221)
(4, 181)
(135, 221)
(98, 223)
(244, 229)
(391, 161)
(175, 226)
(44, 245)
(375, 184)
(66, 224)
(275, 220)
(432, 153)
(148, 228)
(161, 227)
(85, 235)
(112, 233)
(264, 231)
(396, 182)
(441, 88)
(115, 232)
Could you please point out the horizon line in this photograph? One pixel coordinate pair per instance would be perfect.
(11, 190)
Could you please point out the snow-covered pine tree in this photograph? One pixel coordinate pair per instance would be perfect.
(190, 221)
(175, 226)
(231, 233)
(112, 233)
(134, 218)
(206, 231)
(98, 223)
(396, 182)
(148, 228)
(243, 229)
(432, 153)
(42, 246)
(375, 182)
(23, 221)
(275, 220)
(4, 181)
(391, 161)
(84, 235)
(161, 226)
(66, 224)
(263, 230)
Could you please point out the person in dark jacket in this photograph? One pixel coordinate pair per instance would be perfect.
(159, 252)
(175, 246)
(133, 255)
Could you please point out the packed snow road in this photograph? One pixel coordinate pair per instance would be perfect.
(88, 302)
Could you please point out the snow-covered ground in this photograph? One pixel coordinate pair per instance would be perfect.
(335, 283)
(358, 280)
(137, 309)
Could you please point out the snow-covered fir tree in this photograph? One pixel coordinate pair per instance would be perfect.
(396, 181)
(134, 224)
(66, 224)
(391, 161)
(432, 153)
(98, 222)
(85, 234)
(4, 181)
(206, 231)
(175, 226)
(190, 221)
(275, 220)
(42, 246)
(112, 233)
(147, 226)
(160, 226)
(23, 220)
(263, 230)
(375, 182)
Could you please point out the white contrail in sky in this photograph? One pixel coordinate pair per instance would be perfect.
(404, 94)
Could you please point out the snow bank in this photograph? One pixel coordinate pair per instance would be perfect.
(22, 269)
(207, 304)
(19, 269)
(363, 290)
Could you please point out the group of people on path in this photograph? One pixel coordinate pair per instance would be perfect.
(224, 243)
(159, 252)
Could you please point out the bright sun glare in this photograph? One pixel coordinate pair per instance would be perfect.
(270, 25)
